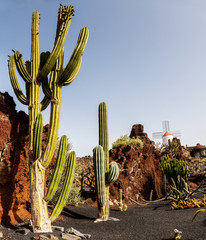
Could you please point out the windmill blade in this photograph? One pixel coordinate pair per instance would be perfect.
(157, 135)
(176, 133)
(165, 126)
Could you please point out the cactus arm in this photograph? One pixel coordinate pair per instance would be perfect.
(74, 63)
(21, 67)
(64, 21)
(61, 157)
(45, 84)
(53, 131)
(14, 81)
(43, 58)
(98, 158)
(74, 74)
(66, 187)
(113, 172)
(46, 88)
(54, 119)
(45, 103)
(37, 142)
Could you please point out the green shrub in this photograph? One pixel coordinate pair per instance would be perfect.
(75, 197)
(126, 140)
(173, 147)
(176, 171)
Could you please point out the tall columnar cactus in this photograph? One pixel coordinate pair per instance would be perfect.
(105, 173)
(46, 70)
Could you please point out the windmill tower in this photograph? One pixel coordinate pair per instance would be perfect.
(166, 135)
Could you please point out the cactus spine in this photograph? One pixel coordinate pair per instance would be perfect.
(46, 70)
(105, 173)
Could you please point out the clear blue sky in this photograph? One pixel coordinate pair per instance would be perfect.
(145, 58)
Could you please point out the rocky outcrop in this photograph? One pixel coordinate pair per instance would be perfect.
(139, 169)
(14, 172)
(138, 132)
(14, 162)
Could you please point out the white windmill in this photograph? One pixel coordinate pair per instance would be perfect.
(166, 135)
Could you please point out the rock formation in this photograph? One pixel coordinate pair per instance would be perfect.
(139, 168)
(14, 172)
(14, 164)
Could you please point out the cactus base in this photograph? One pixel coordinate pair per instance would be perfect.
(39, 212)
(103, 212)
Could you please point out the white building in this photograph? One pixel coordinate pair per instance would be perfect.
(166, 137)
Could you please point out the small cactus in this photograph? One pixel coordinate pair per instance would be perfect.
(122, 207)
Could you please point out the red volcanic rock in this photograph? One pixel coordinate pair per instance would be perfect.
(14, 177)
(138, 132)
(139, 171)
(14, 162)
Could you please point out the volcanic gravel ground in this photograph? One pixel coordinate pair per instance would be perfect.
(151, 222)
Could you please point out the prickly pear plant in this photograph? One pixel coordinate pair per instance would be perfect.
(46, 70)
(105, 172)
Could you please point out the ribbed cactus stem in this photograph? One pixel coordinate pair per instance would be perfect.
(21, 67)
(103, 132)
(104, 142)
(113, 172)
(14, 81)
(99, 170)
(54, 126)
(74, 64)
(66, 187)
(35, 56)
(38, 129)
(60, 162)
(34, 97)
(62, 30)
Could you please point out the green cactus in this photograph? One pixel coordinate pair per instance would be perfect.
(38, 129)
(113, 172)
(61, 157)
(45, 70)
(122, 207)
(66, 187)
(175, 171)
(105, 173)
(98, 159)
